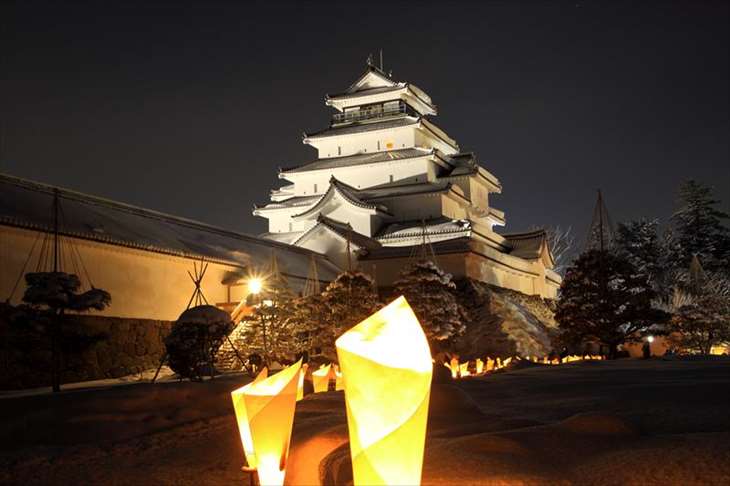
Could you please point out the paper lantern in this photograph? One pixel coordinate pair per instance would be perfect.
(490, 364)
(480, 366)
(339, 383)
(387, 368)
(300, 385)
(464, 369)
(321, 379)
(265, 415)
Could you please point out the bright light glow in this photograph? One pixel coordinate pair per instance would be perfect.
(480, 366)
(387, 368)
(650, 339)
(321, 378)
(265, 415)
(255, 285)
(464, 369)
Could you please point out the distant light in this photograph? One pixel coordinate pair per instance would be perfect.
(650, 339)
(255, 285)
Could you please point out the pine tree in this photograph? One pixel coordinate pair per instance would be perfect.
(430, 292)
(638, 242)
(348, 300)
(697, 229)
(604, 298)
(268, 331)
(701, 309)
(52, 295)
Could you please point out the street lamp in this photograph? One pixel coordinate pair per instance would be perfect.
(650, 339)
(255, 285)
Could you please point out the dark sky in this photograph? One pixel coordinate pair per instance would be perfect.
(190, 108)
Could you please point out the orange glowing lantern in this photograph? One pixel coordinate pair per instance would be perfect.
(386, 395)
(265, 415)
(321, 378)
(480, 366)
(490, 364)
(464, 369)
(339, 383)
(300, 385)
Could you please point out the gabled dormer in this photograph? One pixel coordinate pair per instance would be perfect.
(376, 88)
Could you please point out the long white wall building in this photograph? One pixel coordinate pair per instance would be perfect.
(385, 180)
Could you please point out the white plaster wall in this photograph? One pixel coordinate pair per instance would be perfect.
(362, 177)
(366, 142)
(142, 284)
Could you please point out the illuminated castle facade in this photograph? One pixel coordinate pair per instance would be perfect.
(386, 180)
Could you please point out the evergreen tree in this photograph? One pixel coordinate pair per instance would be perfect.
(430, 292)
(697, 229)
(702, 323)
(308, 320)
(638, 242)
(701, 309)
(52, 295)
(268, 331)
(348, 300)
(604, 298)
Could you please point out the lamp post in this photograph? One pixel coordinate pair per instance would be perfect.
(255, 287)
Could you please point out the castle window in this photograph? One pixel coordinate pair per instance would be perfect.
(378, 144)
(315, 188)
(339, 150)
(391, 177)
(290, 228)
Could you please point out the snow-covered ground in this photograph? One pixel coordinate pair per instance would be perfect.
(623, 422)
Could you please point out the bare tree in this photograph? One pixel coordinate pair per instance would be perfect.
(561, 241)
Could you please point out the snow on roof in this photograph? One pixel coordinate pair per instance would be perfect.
(359, 159)
(360, 127)
(529, 245)
(344, 230)
(28, 205)
(417, 228)
(349, 193)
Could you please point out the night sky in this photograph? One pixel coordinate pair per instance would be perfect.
(190, 108)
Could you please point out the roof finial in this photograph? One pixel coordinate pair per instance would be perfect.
(370, 59)
(381, 60)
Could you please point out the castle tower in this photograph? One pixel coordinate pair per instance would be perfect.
(384, 174)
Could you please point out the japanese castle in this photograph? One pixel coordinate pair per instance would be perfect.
(387, 182)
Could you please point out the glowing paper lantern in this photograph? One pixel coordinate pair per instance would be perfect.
(339, 383)
(490, 364)
(480, 366)
(321, 378)
(387, 365)
(464, 369)
(300, 385)
(454, 366)
(265, 415)
(507, 361)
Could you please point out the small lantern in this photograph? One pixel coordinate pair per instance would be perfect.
(265, 415)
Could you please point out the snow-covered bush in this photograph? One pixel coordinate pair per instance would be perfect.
(195, 338)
